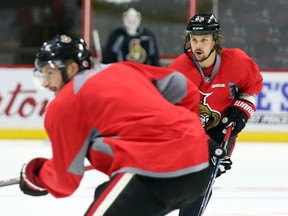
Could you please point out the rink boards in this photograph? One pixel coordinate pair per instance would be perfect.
(23, 105)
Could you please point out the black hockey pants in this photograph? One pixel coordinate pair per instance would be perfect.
(129, 194)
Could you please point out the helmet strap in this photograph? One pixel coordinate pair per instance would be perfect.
(64, 75)
(214, 48)
(186, 49)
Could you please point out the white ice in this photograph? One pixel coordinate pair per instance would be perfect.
(257, 185)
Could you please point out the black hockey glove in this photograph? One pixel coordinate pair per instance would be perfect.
(30, 183)
(217, 152)
(225, 164)
(216, 133)
(237, 114)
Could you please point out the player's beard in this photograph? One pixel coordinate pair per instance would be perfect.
(56, 89)
(204, 57)
(200, 55)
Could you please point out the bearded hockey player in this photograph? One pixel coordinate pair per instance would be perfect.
(228, 81)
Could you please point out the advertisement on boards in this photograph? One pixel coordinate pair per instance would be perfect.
(271, 104)
(23, 104)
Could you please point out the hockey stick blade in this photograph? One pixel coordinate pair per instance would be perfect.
(13, 181)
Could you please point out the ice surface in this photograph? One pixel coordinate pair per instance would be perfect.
(257, 185)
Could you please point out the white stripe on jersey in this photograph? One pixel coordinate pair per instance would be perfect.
(117, 189)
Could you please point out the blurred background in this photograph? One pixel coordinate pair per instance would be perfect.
(259, 27)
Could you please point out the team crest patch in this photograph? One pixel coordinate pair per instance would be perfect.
(65, 39)
(209, 117)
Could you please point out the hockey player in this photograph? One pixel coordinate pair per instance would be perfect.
(228, 81)
(136, 123)
(132, 42)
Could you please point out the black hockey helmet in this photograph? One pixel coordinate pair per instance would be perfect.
(203, 24)
(62, 48)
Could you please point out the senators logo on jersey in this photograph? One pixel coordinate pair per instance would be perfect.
(209, 117)
(136, 52)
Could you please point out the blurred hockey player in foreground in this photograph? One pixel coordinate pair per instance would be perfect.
(136, 123)
(228, 81)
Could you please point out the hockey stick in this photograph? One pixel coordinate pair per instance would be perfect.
(214, 173)
(13, 181)
(97, 45)
(10, 181)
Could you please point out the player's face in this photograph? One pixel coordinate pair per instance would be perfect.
(52, 78)
(201, 46)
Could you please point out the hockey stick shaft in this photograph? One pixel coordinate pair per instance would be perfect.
(13, 181)
(214, 173)
(97, 45)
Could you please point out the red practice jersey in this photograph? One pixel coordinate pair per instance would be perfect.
(234, 73)
(124, 117)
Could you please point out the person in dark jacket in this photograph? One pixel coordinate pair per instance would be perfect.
(131, 42)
